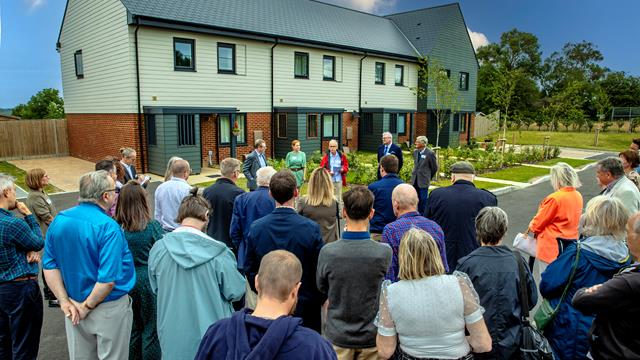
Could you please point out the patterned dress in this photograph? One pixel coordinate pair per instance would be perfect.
(296, 162)
(144, 338)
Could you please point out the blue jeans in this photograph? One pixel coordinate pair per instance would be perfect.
(423, 195)
(20, 319)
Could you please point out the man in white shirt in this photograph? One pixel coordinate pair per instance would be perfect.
(169, 195)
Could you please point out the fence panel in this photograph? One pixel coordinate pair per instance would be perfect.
(25, 139)
(484, 125)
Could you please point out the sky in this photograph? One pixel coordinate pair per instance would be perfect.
(29, 30)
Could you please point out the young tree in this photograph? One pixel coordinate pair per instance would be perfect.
(46, 104)
(440, 92)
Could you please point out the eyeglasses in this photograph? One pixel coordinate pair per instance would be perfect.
(109, 190)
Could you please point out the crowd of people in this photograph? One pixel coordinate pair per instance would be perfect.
(387, 270)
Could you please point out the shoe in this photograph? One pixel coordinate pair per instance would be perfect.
(54, 303)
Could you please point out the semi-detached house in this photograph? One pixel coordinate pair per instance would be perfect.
(182, 77)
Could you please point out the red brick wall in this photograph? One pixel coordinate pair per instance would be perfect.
(94, 136)
(420, 123)
(349, 120)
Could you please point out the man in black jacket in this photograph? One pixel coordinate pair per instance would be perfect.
(221, 196)
(616, 304)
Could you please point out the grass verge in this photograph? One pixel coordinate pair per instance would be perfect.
(479, 184)
(19, 174)
(521, 174)
(576, 163)
(608, 141)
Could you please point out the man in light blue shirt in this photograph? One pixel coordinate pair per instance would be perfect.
(169, 195)
(88, 266)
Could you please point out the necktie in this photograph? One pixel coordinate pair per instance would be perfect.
(386, 149)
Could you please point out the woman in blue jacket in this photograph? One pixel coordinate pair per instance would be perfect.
(602, 254)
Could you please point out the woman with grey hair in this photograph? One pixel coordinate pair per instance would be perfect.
(599, 255)
(494, 271)
(558, 216)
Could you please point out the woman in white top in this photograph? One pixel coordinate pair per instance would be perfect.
(426, 311)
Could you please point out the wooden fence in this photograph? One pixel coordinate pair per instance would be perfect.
(485, 125)
(25, 139)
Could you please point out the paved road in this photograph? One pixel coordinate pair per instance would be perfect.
(520, 205)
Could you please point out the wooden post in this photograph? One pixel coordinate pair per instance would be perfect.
(597, 135)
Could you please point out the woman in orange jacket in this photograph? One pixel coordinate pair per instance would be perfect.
(558, 216)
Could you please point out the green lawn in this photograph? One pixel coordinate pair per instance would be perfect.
(576, 163)
(19, 175)
(479, 184)
(608, 141)
(519, 173)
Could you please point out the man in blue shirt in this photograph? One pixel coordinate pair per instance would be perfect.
(89, 268)
(20, 296)
(382, 190)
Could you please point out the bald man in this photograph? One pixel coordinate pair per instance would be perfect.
(337, 165)
(169, 195)
(404, 200)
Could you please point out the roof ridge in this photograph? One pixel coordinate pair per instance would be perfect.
(427, 8)
(346, 8)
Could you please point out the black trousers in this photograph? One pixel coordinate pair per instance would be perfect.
(20, 320)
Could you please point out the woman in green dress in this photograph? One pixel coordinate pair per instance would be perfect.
(296, 161)
(134, 215)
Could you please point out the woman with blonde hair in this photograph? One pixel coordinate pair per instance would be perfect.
(426, 312)
(558, 216)
(296, 161)
(594, 259)
(320, 205)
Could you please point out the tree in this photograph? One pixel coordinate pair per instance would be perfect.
(621, 89)
(575, 62)
(434, 83)
(46, 104)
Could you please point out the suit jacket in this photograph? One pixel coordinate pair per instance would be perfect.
(393, 149)
(126, 173)
(455, 208)
(627, 192)
(382, 190)
(425, 167)
(250, 167)
(221, 196)
(285, 229)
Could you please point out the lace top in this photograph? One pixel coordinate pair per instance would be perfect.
(429, 314)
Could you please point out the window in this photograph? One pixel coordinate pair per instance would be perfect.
(226, 58)
(393, 123)
(184, 54)
(402, 124)
(282, 126)
(399, 75)
(79, 65)
(456, 122)
(312, 126)
(301, 65)
(151, 130)
(448, 72)
(186, 130)
(330, 126)
(464, 81)
(367, 124)
(328, 68)
(380, 73)
(224, 121)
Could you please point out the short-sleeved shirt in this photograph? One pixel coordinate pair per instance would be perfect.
(87, 246)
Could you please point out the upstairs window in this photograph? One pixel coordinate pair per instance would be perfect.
(226, 58)
(399, 75)
(328, 68)
(464, 81)
(184, 54)
(380, 73)
(79, 66)
(301, 65)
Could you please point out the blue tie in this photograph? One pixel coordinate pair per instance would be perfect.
(386, 148)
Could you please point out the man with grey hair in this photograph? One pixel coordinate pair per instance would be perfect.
(425, 167)
(221, 196)
(611, 178)
(20, 296)
(337, 165)
(88, 266)
(404, 200)
(169, 195)
(455, 207)
(388, 147)
(254, 162)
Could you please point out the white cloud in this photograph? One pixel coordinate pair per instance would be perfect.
(35, 4)
(478, 39)
(370, 6)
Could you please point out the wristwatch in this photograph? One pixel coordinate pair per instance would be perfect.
(87, 305)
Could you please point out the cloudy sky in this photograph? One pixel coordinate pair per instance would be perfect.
(29, 29)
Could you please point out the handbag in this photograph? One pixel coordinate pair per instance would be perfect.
(546, 313)
(533, 345)
(525, 243)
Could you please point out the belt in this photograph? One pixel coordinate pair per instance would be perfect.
(22, 278)
(295, 169)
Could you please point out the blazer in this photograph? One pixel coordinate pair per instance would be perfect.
(250, 167)
(126, 173)
(627, 192)
(393, 149)
(221, 196)
(425, 168)
(382, 190)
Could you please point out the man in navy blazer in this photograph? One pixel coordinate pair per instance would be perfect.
(254, 161)
(388, 147)
(285, 229)
(382, 190)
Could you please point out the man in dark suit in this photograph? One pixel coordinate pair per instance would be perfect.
(128, 162)
(382, 190)
(455, 208)
(285, 229)
(221, 196)
(254, 161)
(388, 147)
(425, 167)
